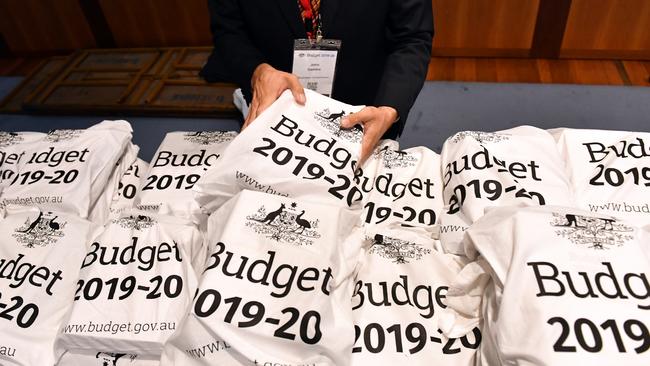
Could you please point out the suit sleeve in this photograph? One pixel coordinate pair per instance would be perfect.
(410, 33)
(234, 57)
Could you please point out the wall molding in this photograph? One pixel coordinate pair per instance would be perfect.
(96, 20)
(552, 18)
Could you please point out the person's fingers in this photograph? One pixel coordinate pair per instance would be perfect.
(252, 113)
(264, 104)
(246, 123)
(372, 133)
(364, 115)
(297, 90)
(368, 142)
(365, 154)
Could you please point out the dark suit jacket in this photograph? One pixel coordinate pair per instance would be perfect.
(383, 60)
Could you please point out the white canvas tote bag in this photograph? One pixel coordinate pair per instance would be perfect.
(136, 283)
(12, 151)
(40, 256)
(554, 286)
(128, 188)
(609, 170)
(67, 170)
(277, 286)
(181, 160)
(399, 294)
(407, 188)
(292, 151)
(101, 209)
(519, 166)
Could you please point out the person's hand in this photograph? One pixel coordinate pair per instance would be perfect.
(376, 121)
(267, 84)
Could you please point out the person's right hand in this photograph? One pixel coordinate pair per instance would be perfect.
(267, 84)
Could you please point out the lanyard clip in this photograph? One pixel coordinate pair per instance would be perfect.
(319, 29)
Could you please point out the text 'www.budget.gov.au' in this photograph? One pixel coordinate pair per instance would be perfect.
(115, 327)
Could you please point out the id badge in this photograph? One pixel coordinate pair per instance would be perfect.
(314, 63)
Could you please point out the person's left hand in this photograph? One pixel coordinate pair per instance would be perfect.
(376, 121)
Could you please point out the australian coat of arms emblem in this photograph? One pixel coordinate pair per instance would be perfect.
(285, 224)
(209, 137)
(480, 136)
(61, 135)
(111, 359)
(594, 232)
(135, 222)
(10, 138)
(331, 121)
(395, 158)
(397, 250)
(40, 231)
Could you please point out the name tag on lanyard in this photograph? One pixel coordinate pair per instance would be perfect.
(314, 63)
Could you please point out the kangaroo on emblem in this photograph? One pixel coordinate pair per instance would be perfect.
(272, 215)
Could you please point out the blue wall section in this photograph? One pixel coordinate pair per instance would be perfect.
(444, 108)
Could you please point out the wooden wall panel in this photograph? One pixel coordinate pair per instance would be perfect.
(606, 28)
(147, 23)
(513, 70)
(638, 72)
(464, 28)
(37, 26)
(484, 27)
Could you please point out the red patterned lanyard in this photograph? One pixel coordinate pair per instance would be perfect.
(310, 12)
